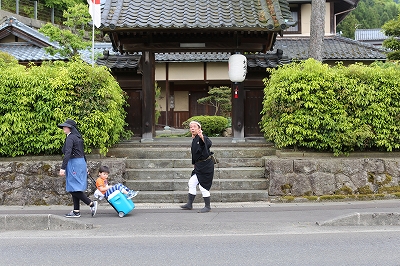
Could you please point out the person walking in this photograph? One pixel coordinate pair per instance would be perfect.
(74, 168)
(203, 172)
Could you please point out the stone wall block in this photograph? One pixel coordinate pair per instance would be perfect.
(360, 179)
(279, 166)
(328, 166)
(350, 167)
(37, 182)
(277, 182)
(323, 183)
(392, 168)
(301, 184)
(342, 180)
(304, 166)
(374, 165)
(6, 168)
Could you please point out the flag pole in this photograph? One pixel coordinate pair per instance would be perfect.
(93, 36)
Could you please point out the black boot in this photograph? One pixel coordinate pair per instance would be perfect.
(207, 207)
(188, 205)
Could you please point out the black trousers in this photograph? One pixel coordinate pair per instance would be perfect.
(77, 196)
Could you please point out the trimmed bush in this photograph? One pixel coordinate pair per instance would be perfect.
(34, 100)
(339, 109)
(212, 125)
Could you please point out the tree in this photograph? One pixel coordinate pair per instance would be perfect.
(220, 98)
(63, 4)
(71, 39)
(369, 14)
(392, 29)
(317, 29)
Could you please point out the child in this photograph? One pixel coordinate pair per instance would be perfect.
(106, 190)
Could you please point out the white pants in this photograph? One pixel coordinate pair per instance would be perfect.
(193, 182)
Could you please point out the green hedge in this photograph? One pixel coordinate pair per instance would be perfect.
(211, 125)
(34, 100)
(339, 109)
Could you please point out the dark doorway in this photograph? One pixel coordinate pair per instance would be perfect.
(252, 116)
(134, 112)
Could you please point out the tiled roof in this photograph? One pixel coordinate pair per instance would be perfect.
(27, 52)
(11, 26)
(335, 48)
(369, 35)
(197, 14)
(254, 60)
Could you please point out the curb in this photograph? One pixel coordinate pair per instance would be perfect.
(13, 222)
(364, 219)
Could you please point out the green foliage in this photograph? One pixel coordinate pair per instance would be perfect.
(157, 105)
(392, 29)
(369, 14)
(72, 38)
(211, 125)
(34, 100)
(63, 4)
(8, 59)
(220, 98)
(338, 109)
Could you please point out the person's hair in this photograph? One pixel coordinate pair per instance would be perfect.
(104, 169)
(195, 122)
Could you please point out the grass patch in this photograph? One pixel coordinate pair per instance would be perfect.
(332, 197)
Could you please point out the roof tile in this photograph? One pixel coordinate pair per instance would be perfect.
(195, 14)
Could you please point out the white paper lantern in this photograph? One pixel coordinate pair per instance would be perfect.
(237, 67)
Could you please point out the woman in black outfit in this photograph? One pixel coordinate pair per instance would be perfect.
(74, 168)
(203, 171)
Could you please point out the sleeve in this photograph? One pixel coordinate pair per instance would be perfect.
(69, 143)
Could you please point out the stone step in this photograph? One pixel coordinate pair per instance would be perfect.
(186, 142)
(216, 196)
(187, 163)
(218, 184)
(184, 173)
(184, 152)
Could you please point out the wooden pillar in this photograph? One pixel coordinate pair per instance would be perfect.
(237, 112)
(148, 93)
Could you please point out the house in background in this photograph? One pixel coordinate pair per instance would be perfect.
(374, 37)
(185, 76)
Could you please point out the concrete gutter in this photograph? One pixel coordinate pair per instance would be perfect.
(13, 222)
(364, 219)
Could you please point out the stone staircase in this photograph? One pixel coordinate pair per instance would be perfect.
(161, 170)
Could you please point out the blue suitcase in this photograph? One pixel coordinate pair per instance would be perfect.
(121, 203)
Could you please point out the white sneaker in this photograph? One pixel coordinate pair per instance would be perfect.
(132, 194)
(94, 208)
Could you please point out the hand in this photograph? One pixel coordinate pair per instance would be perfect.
(62, 172)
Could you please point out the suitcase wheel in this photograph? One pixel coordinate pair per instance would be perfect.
(121, 214)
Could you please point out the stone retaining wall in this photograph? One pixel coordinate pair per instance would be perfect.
(35, 181)
(326, 176)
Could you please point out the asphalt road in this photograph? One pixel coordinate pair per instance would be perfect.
(232, 234)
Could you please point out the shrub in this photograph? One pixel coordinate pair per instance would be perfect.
(338, 109)
(34, 100)
(211, 125)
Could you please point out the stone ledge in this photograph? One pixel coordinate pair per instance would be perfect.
(364, 219)
(14, 222)
(306, 154)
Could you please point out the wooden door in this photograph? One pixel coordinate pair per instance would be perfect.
(252, 114)
(134, 112)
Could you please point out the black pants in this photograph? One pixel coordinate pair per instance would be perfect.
(79, 195)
